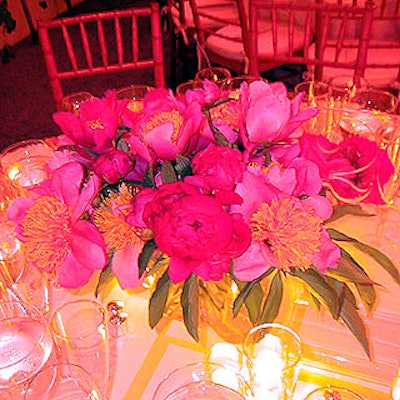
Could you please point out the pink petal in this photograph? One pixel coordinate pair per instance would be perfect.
(125, 266)
(252, 264)
(72, 274)
(179, 269)
(17, 210)
(88, 245)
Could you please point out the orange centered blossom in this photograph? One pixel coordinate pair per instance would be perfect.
(227, 113)
(292, 233)
(46, 230)
(110, 218)
(173, 117)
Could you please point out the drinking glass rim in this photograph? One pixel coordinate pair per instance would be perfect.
(201, 365)
(38, 316)
(334, 387)
(285, 328)
(63, 335)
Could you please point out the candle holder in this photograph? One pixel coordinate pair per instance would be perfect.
(135, 94)
(24, 165)
(72, 102)
(273, 353)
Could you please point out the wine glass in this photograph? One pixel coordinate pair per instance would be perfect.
(62, 382)
(25, 343)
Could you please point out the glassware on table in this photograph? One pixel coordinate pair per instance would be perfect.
(375, 99)
(273, 353)
(182, 88)
(201, 380)
(135, 94)
(344, 88)
(332, 393)
(72, 102)
(25, 344)
(232, 85)
(62, 382)
(24, 165)
(213, 74)
(315, 92)
(81, 337)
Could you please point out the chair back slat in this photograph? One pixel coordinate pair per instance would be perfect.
(118, 39)
(101, 43)
(135, 41)
(69, 47)
(86, 45)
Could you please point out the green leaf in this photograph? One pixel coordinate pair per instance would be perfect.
(349, 314)
(168, 174)
(377, 255)
(342, 290)
(148, 180)
(251, 294)
(190, 305)
(349, 270)
(159, 299)
(146, 255)
(183, 166)
(273, 300)
(341, 210)
(322, 290)
(106, 276)
(368, 296)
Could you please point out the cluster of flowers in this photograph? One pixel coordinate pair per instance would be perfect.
(220, 184)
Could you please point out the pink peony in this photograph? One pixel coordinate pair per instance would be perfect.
(218, 167)
(113, 165)
(54, 237)
(268, 116)
(195, 231)
(166, 126)
(96, 127)
(287, 232)
(355, 170)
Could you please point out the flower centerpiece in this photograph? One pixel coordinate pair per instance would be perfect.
(202, 189)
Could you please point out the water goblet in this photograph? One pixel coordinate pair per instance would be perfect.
(72, 102)
(62, 382)
(198, 381)
(25, 344)
(135, 94)
(81, 337)
(332, 393)
(273, 353)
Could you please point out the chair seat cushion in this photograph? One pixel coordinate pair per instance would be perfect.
(233, 49)
(379, 77)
